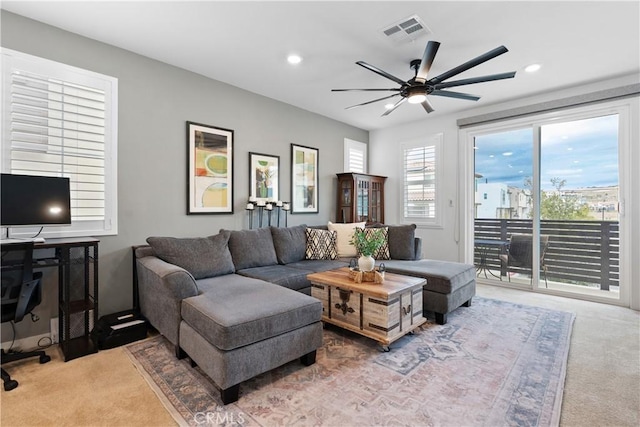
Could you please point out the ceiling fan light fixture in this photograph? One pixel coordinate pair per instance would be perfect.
(417, 96)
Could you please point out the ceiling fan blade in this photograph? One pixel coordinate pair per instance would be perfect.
(458, 95)
(475, 80)
(469, 64)
(366, 90)
(427, 60)
(371, 102)
(380, 72)
(427, 106)
(390, 110)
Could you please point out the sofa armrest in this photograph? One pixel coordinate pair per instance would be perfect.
(162, 287)
(417, 245)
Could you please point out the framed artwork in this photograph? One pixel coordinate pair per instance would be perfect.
(264, 177)
(304, 179)
(210, 169)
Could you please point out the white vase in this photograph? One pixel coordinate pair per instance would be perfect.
(366, 263)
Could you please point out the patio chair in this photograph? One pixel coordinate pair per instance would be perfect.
(519, 256)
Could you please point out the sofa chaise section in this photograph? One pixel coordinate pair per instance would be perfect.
(233, 326)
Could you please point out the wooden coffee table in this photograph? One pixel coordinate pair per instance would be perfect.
(384, 312)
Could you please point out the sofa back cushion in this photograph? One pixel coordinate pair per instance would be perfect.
(290, 243)
(402, 242)
(252, 248)
(201, 256)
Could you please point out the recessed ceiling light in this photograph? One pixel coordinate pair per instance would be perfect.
(294, 59)
(388, 106)
(507, 153)
(532, 68)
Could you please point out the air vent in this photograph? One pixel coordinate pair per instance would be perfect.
(406, 30)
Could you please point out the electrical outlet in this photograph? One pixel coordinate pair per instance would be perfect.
(54, 330)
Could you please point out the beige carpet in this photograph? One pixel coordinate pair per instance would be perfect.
(102, 389)
(602, 387)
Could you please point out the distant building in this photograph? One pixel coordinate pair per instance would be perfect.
(496, 200)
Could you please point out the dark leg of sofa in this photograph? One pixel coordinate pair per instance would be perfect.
(180, 354)
(441, 318)
(309, 358)
(467, 304)
(230, 395)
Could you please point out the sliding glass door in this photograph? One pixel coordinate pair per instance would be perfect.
(547, 195)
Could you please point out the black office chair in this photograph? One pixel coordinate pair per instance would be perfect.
(21, 293)
(520, 254)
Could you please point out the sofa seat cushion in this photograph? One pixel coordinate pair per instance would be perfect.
(318, 265)
(292, 278)
(234, 314)
(443, 277)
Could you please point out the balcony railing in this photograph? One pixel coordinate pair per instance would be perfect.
(580, 252)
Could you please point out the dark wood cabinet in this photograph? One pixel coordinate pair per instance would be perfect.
(360, 198)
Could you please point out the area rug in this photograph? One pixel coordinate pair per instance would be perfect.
(493, 364)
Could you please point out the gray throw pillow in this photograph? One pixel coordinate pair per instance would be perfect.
(290, 243)
(402, 242)
(252, 248)
(200, 256)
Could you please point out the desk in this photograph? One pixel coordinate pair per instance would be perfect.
(483, 246)
(77, 263)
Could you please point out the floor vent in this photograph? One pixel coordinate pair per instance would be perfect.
(406, 30)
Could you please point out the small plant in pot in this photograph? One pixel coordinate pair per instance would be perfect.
(367, 244)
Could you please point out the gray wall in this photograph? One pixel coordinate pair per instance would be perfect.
(155, 101)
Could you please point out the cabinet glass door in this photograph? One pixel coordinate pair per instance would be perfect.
(362, 208)
(346, 198)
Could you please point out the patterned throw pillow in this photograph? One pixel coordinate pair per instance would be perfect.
(321, 244)
(383, 251)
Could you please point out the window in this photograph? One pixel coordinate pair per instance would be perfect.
(355, 156)
(62, 121)
(421, 171)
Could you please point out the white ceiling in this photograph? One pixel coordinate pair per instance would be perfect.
(245, 44)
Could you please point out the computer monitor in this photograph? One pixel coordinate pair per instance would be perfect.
(28, 200)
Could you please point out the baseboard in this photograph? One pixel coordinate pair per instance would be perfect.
(29, 343)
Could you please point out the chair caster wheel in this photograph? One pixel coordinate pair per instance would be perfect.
(44, 359)
(10, 385)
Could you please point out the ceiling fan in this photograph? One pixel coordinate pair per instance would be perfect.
(416, 89)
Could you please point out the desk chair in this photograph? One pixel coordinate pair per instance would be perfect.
(21, 293)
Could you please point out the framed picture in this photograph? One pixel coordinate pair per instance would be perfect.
(210, 169)
(304, 179)
(264, 177)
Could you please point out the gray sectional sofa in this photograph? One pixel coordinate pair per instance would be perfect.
(238, 303)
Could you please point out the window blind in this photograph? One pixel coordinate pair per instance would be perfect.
(58, 129)
(60, 120)
(355, 156)
(419, 182)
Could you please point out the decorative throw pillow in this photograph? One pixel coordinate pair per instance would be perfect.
(383, 251)
(402, 242)
(200, 256)
(345, 231)
(321, 244)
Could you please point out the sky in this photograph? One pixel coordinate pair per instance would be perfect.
(582, 152)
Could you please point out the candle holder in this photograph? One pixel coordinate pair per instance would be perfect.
(285, 207)
(250, 208)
